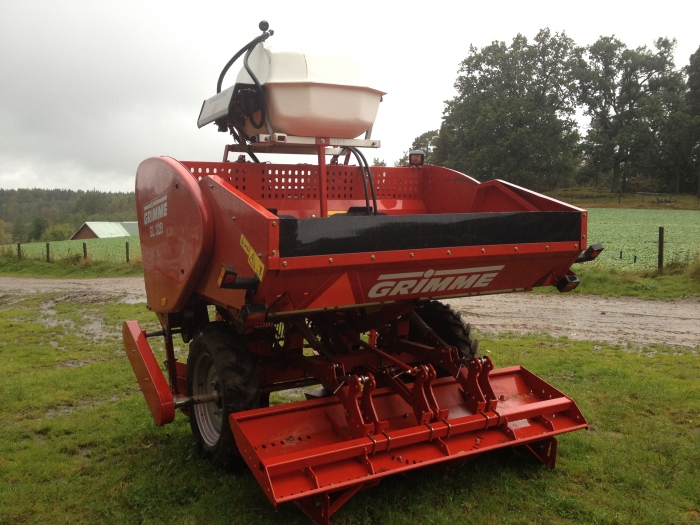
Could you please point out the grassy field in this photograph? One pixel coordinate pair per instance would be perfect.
(635, 233)
(69, 268)
(674, 283)
(77, 444)
(107, 250)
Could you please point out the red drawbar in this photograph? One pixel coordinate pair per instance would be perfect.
(149, 375)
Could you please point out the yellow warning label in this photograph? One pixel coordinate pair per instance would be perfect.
(331, 213)
(255, 263)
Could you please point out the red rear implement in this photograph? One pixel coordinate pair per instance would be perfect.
(291, 275)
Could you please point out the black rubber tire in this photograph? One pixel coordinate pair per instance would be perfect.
(218, 355)
(448, 324)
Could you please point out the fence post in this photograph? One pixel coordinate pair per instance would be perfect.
(48, 259)
(661, 248)
(84, 250)
(127, 251)
(19, 251)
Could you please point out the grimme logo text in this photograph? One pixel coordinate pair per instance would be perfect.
(432, 281)
(155, 210)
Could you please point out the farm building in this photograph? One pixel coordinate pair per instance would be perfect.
(103, 230)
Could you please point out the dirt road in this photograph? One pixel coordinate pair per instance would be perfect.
(610, 320)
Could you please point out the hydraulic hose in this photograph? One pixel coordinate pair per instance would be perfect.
(256, 125)
(365, 165)
(364, 178)
(248, 49)
(249, 46)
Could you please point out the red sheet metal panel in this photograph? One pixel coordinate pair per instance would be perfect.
(176, 231)
(301, 449)
(311, 282)
(149, 375)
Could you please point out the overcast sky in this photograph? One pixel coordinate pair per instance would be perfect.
(90, 89)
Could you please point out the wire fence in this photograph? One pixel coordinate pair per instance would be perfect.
(116, 250)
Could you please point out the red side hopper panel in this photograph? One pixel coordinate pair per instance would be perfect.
(176, 230)
(301, 450)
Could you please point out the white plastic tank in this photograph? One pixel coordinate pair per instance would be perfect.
(312, 95)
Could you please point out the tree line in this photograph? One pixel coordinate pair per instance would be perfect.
(548, 113)
(28, 215)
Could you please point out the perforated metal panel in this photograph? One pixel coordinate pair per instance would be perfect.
(289, 187)
(399, 183)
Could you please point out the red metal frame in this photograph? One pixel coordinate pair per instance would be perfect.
(228, 203)
(390, 412)
(300, 450)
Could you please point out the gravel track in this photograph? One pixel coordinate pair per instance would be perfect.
(617, 320)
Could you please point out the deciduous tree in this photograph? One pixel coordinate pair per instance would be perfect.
(37, 229)
(634, 99)
(19, 230)
(513, 117)
(693, 100)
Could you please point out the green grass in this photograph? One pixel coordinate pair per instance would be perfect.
(77, 444)
(674, 283)
(106, 258)
(69, 268)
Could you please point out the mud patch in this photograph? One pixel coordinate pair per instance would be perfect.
(125, 289)
(94, 330)
(76, 363)
(66, 410)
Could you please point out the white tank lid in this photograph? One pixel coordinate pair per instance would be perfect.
(275, 64)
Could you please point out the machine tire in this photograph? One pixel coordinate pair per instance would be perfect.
(448, 324)
(219, 355)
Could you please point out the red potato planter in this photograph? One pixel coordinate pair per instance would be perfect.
(331, 274)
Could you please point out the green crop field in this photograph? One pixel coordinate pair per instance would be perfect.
(111, 250)
(636, 233)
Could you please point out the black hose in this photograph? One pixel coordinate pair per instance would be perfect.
(248, 48)
(364, 179)
(249, 45)
(256, 125)
(369, 176)
(252, 156)
(227, 67)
